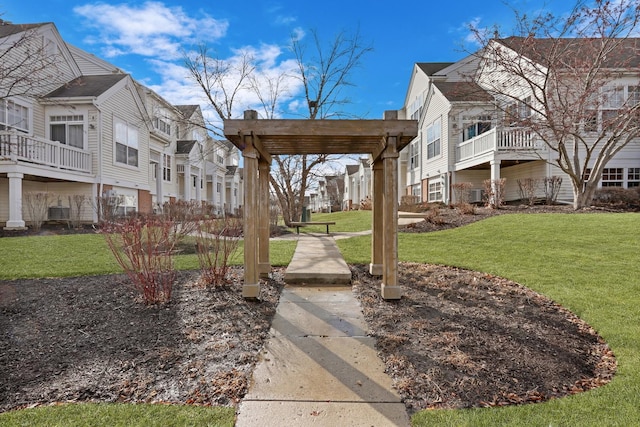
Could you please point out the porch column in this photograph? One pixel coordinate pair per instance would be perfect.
(375, 268)
(186, 187)
(264, 264)
(15, 222)
(159, 186)
(389, 287)
(251, 287)
(199, 185)
(223, 193)
(495, 175)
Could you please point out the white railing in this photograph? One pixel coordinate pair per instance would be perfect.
(495, 140)
(17, 147)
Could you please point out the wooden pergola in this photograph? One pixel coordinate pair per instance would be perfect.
(260, 139)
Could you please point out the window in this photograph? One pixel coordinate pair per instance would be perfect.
(166, 167)
(435, 190)
(218, 187)
(433, 139)
(612, 177)
(633, 95)
(162, 125)
(633, 177)
(68, 130)
(480, 125)
(126, 144)
(414, 155)
(13, 116)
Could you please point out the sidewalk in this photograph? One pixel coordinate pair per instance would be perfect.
(319, 367)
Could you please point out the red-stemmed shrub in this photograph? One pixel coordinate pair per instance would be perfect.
(143, 246)
(216, 241)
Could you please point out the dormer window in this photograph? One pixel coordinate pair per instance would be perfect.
(161, 124)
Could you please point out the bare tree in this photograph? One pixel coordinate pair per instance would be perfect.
(322, 75)
(29, 64)
(573, 81)
(221, 81)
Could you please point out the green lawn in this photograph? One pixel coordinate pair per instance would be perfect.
(88, 254)
(346, 222)
(586, 262)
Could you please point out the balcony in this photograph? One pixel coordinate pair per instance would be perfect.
(496, 140)
(23, 148)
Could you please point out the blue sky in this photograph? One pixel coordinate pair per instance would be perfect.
(147, 39)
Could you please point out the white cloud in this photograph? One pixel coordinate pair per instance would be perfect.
(150, 29)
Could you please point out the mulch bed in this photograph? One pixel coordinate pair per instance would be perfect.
(456, 339)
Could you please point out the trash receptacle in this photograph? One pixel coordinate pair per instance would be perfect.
(306, 214)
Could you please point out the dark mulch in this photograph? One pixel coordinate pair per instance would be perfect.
(456, 339)
(91, 339)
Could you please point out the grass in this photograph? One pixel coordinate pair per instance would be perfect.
(586, 262)
(120, 415)
(88, 254)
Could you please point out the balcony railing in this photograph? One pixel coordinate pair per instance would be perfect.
(18, 147)
(499, 140)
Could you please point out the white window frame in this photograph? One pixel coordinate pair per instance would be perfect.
(633, 177)
(435, 190)
(20, 122)
(69, 121)
(167, 163)
(129, 136)
(612, 177)
(162, 125)
(434, 138)
(414, 155)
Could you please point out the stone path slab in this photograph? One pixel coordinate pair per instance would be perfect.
(319, 367)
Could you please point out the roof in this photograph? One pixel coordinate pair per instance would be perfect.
(351, 169)
(431, 68)
(463, 91)
(231, 170)
(626, 53)
(186, 110)
(8, 28)
(87, 86)
(184, 147)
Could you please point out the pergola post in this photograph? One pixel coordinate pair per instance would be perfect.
(389, 287)
(264, 265)
(377, 172)
(251, 286)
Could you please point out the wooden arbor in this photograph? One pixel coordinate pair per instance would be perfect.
(260, 139)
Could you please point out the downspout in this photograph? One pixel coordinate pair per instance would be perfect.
(100, 179)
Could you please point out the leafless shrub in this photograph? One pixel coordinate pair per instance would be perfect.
(552, 186)
(37, 206)
(143, 247)
(466, 208)
(527, 189)
(216, 242)
(365, 204)
(494, 192)
(433, 216)
(409, 203)
(461, 192)
(76, 203)
(617, 197)
(106, 208)
(184, 216)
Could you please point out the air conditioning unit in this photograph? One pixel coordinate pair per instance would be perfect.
(476, 195)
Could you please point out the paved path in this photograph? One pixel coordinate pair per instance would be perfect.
(319, 367)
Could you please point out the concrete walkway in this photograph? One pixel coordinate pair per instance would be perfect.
(319, 367)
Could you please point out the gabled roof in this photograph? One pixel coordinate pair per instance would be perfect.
(625, 55)
(187, 110)
(8, 28)
(463, 91)
(351, 169)
(431, 68)
(184, 147)
(87, 86)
